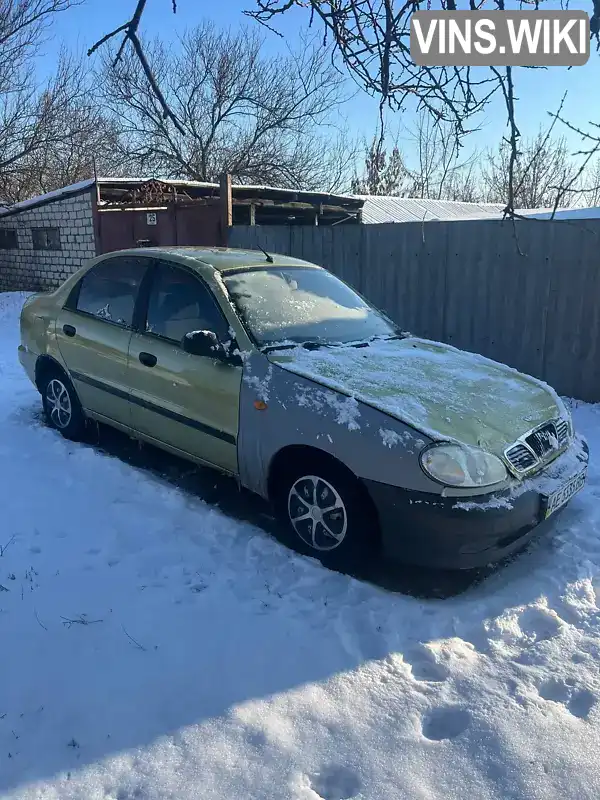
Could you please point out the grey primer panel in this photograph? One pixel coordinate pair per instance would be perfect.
(299, 411)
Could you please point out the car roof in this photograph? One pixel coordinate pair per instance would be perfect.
(221, 259)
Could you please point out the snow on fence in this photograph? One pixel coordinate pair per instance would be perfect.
(535, 306)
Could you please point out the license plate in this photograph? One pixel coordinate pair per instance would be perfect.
(561, 496)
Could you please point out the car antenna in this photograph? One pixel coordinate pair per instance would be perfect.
(269, 258)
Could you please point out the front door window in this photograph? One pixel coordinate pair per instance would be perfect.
(179, 303)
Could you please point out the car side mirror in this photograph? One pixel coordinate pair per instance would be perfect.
(204, 343)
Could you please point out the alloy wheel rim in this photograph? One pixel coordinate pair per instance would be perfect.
(317, 513)
(58, 403)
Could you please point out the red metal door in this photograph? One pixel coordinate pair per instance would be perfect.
(198, 225)
(174, 225)
(154, 228)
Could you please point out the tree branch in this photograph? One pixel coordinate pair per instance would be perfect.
(130, 29)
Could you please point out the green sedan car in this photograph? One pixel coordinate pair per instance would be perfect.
(365, 439)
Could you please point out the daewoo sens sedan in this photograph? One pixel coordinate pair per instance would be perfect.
(364, 438)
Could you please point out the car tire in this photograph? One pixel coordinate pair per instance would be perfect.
(61, 405)
(326, 513)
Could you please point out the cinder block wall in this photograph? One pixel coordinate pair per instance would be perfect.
(26, 269)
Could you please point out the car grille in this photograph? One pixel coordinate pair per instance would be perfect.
(562, 431)
(543, 440)
(521, 457)
(534, 448)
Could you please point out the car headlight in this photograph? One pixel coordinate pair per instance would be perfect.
(459, 465)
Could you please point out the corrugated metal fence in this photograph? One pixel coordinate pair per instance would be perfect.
(465, 283)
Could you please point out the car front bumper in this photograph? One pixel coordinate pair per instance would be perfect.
(468, 532)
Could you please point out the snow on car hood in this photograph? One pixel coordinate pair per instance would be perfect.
(443, 392)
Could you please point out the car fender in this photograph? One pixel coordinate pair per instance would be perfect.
(38, 329)
(279, 409)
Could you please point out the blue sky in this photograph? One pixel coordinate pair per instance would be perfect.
(538, 92)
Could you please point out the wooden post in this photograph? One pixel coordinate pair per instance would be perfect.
(226, 207)
(95, 198)
(252, 214)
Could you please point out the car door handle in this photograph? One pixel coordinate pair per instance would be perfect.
(69, 330)
(147, 359)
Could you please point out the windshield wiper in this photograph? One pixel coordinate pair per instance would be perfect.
(401, 335)
(315, 344)
(367, 342)
(310, 344)
(269, 348)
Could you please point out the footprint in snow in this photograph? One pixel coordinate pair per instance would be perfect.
(555, 690)
(425, 667)
(539, 623)
(445, 723)
(578, 702)
(335, 782)
(522, 627)
(581, 703)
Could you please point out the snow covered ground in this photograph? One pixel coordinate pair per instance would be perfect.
(153, 647)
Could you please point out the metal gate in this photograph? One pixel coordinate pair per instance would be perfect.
(177, 224)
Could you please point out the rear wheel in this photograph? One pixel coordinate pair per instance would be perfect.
(325, 512)
(61, 405)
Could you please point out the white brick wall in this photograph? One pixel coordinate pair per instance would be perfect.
(29, 269)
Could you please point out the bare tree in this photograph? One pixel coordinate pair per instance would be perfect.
(464, 184)
(264, 119)
(50, 136)
(585, 181)
(590, 185)
(542, 166)
(372, 38)
(439, 172)
(35, 120)
(91, 144)
(129, 29)
(383, 173)
(23, 24)
(433, 172)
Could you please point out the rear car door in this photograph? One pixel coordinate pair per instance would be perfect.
(188, 402)
(94, 331)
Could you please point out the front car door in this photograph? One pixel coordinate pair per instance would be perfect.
(188, 402)
(94, 330)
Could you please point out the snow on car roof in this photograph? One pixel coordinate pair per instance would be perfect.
(227, 258)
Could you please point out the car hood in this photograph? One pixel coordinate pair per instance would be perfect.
(445, 393)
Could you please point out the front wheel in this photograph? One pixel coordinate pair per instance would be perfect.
(326, 513)
(61, 406)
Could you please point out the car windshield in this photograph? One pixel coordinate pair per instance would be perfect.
(303, 304)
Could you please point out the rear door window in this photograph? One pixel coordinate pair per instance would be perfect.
(109, 290)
